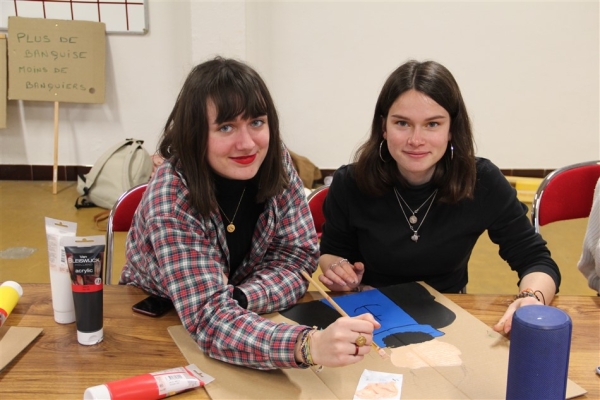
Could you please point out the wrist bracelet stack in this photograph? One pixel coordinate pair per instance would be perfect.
(305, 349)
(307, 360)
(531, 293)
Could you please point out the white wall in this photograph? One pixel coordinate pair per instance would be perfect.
(529, 72)
(143, 77)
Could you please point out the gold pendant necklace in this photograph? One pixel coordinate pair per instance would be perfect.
(231, 226)
(415, 236)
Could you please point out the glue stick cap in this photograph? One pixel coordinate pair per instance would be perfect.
(99, 392)
(15, 286)
(90, 338)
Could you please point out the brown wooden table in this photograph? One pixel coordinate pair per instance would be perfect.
(585, 340)
(56, 366)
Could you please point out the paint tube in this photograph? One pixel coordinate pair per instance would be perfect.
(153, 386)
(10, 293)
(60, 280)
(85, 257)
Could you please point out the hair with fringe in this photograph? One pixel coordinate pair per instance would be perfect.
(235, 89)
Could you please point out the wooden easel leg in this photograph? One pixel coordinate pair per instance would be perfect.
(55, 167)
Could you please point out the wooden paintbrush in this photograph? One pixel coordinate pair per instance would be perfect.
(339, 309)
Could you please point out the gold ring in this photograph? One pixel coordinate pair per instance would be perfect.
(356, 351)
(360, 341)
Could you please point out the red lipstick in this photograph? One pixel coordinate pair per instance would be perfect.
(244, 159)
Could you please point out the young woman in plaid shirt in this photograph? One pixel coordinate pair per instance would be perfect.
(224, 229)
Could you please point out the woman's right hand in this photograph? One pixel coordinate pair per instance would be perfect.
(335, 345)
(339, 275)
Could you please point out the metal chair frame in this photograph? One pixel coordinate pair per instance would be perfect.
(119, 220)
(538, 198)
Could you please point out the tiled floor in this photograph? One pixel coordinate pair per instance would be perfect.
(24, 256)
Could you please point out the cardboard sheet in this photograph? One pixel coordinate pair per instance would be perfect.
(477, 368)
(234, 382)
(13, 340)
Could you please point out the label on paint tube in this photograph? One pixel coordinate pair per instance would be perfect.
(55, 229)
(155, 385)
(85, 257)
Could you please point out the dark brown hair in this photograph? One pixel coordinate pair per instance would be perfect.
(235, 89)
(454, 177)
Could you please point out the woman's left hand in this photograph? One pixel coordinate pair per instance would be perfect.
(542, 293)
(504, 325)
(342, 276)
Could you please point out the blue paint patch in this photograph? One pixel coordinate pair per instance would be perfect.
(392, 318)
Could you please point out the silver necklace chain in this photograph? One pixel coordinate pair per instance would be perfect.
(413, 218)
(415, 236)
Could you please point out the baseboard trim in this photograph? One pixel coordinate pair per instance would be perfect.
(41, 172)
(70, 172)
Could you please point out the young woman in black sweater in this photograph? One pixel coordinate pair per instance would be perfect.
(413, 204)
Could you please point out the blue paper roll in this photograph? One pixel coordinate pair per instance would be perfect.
(538, 361)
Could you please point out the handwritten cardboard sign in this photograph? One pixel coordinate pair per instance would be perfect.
(56, 60)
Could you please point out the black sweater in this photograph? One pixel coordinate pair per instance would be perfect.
(373, 230)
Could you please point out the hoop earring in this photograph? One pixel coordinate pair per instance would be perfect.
(380, 156)
(451, 151)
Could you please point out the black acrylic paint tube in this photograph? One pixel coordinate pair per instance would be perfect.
(85, 257)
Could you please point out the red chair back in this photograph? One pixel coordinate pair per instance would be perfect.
(315, 203)
(124, 208)
(566, 193)
(119, 220)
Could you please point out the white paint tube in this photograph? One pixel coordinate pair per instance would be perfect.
(60, 281)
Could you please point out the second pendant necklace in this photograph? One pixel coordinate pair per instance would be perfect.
(413, 218)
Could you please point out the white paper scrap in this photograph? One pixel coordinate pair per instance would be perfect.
(378, 385)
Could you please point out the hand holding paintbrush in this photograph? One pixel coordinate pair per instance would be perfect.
(339, 309)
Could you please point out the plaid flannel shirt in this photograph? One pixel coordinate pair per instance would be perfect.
(174, 252)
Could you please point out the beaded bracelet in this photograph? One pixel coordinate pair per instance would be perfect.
(307, 360)
(541, 294)
(308, 349)
(303, 350)
(530, 293)
(337, 263)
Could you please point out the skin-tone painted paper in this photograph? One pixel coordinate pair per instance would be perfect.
(378, 385)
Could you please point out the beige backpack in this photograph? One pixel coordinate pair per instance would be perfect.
(120, 168)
